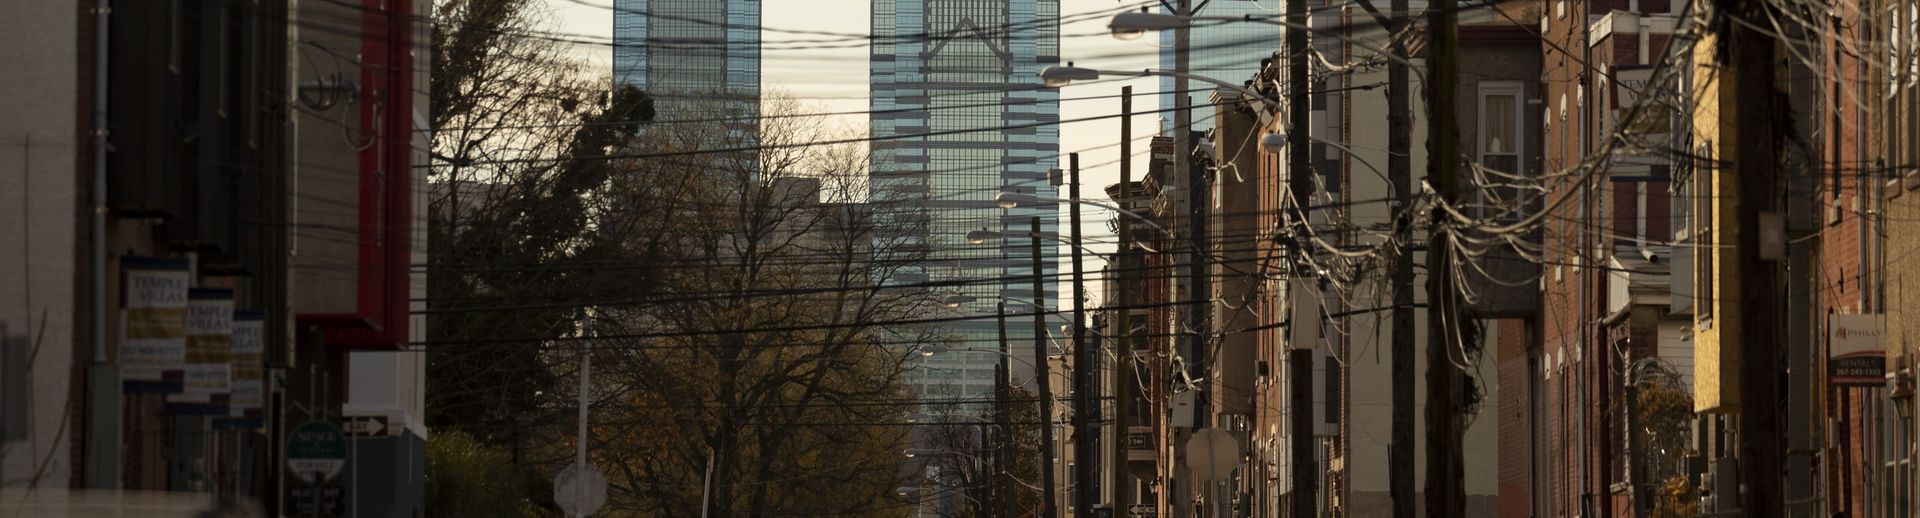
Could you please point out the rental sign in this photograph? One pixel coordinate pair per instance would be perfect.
(1856, 353)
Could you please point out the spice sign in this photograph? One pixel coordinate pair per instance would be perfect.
(1856, 352)
(316, 451)
(153, 339)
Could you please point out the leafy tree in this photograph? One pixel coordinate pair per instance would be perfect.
(469, 478)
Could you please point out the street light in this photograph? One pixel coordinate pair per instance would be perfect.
(1901, 393)
(1133, 24)
(1008, 200)
(1058, 76)
(956, 300)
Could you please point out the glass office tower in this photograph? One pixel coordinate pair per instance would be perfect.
(959, 115)
(685, 50)
(1228, 51)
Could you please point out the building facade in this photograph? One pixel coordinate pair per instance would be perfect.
(1226, 50)
(959, 116)
(214, 262)
(682, 51)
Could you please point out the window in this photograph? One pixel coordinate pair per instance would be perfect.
(1499, 146)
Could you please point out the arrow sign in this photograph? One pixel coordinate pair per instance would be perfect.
(368, 426)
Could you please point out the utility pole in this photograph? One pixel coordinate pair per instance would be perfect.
(1299, 188)
(1400, 168)
(1182, 488)
(586, 377)
(1446, 494)
(1040, 366)
(1085, 491)
(1122, 378)
(1749, 77)
(1003, 453)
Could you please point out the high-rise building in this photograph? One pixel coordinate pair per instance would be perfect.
(684, 50)
(1224, 50)
(959, 116)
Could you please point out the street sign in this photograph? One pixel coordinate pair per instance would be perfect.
(580, 492)
(316, 451)
(367, 426)
(1213, 453)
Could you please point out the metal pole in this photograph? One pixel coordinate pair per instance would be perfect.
(102, 463)
(580, 448)
(1040, 365)
(706, 486)
(1183, 489)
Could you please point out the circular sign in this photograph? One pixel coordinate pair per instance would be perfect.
(316, 451)
(579, 491)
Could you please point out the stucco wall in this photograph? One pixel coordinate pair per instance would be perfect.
(40, 203)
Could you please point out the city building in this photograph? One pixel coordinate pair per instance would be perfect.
(210, 260)
(960, 116)
(684, 51)
(1606, 317)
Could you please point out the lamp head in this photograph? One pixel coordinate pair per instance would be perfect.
(1273, 142)
(978, 237)
(1134, 24)
(1008, 200)
(1055, 77)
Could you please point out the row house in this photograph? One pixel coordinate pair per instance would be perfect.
(218, 206)
(1262, 295)
(1613, 351)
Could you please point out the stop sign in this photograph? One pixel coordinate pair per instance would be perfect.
(1213, 453)
(580, 490)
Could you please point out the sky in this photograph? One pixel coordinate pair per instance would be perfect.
(836, 81)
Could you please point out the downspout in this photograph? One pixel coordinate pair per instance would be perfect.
(1583, 500)
(102, 464)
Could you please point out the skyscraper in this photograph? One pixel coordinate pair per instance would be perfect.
(1229, 51)
(684, 50)
(959, 115)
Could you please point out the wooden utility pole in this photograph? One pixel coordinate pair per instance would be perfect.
(1040, 367)
(1122, 377)
(1083, 378)
(1400, 169)
(1003, 454)
(1299, 184)
(1749, 78)
(1446, 494)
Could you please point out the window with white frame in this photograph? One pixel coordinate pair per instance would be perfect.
(1500, 146)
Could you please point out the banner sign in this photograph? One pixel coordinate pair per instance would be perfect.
(249, 347)
(1856, 352)
(153, 334)
(248, 395)
(209, 350)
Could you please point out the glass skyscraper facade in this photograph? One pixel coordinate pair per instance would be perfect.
(959, 115)
(680, 51)
(1228, 51)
